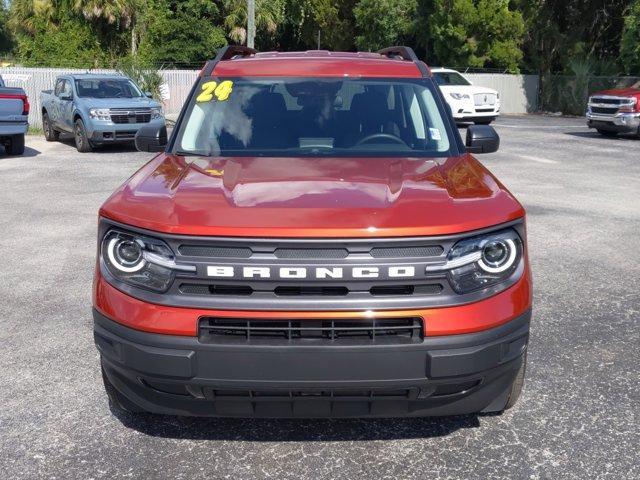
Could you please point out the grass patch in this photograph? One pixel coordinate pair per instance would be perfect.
(35, 131)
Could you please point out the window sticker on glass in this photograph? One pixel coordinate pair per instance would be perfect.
(434, 133)
(221, 91)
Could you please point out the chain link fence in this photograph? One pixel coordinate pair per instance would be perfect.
(570, 94)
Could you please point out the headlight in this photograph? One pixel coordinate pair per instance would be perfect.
(156, 113)
(459, 96)
(100, 114)
(482, 261)
(140, 261)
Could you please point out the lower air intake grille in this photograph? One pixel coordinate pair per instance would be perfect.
(311, 332)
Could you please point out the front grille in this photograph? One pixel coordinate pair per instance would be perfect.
(334, 332)
(609, 100)
(484, 99)
(130, 116)
(309, 290)
(604, 110)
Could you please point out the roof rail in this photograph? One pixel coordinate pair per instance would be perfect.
(405, 53)
(227, 53)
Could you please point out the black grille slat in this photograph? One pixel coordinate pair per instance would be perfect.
(609, 101)
(604, 110)
(311, 253)
(407, 252)
(386, 331)
(214, 252)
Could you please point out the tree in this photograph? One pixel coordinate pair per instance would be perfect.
(480, 33)
(630, 45)
(179, 33)
(269, 14)
(382, 23)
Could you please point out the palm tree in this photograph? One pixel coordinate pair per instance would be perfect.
(269, 14)
(120, 12)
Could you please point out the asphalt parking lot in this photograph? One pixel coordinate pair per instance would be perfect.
(578, 417)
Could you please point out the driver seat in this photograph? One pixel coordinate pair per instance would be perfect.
(370, 114)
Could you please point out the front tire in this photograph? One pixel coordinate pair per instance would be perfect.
(50, 133)
(80, 134)
(15, 145)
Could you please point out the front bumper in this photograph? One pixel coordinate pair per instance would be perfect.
(620, 122)
(445, 375)
(108, 132)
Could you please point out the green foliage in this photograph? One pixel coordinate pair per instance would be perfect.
(6, 36)
(182, 33)
(481, 33)
(69, 43)
(630, 46)
(147, 78)
(269, 14)
(382, 23)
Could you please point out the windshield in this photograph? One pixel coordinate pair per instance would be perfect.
(316, 117)
(450, 78)
(107, 88)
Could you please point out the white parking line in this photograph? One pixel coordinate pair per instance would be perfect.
(537, 126)
(537, 159)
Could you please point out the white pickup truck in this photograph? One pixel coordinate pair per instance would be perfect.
(14, 116)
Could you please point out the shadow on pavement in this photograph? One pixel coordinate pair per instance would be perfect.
(592, 134)
(293, 430)
(106, 148)
(28, 152)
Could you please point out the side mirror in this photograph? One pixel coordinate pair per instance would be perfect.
(148, 94)
(151, 138)
(482, 139)
(66, 96)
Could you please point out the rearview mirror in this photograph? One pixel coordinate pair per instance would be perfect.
(482, 139)
(151, 138)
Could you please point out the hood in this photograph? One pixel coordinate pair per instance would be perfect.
(312, 197)
(120, 102)
(620, 92)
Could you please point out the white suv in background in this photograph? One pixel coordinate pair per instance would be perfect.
(468, 103)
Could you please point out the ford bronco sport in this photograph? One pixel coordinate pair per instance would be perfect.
(313, 240)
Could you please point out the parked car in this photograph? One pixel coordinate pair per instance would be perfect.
(97, 109)
(14, 118)
(314, 240)
(615, 111)
(469, 103)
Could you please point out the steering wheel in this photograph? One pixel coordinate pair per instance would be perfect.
(385, 136)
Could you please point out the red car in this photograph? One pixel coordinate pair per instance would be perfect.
(612, 112)
(314, 240)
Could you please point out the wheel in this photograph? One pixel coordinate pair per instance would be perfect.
(50, 133)
(15, 145)
(116, 399)
(82, 142)
(517, 385)
(607, 133)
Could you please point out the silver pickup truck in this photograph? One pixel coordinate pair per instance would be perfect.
(98, 109)
(14, 116)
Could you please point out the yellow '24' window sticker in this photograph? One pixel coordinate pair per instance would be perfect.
(220, 91)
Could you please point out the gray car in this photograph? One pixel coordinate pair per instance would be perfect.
(98, 109)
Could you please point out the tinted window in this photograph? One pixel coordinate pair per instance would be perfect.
(316, 117)
(450, 78)
(107, 88)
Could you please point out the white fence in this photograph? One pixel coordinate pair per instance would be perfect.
(34, 80)
(518, 93)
